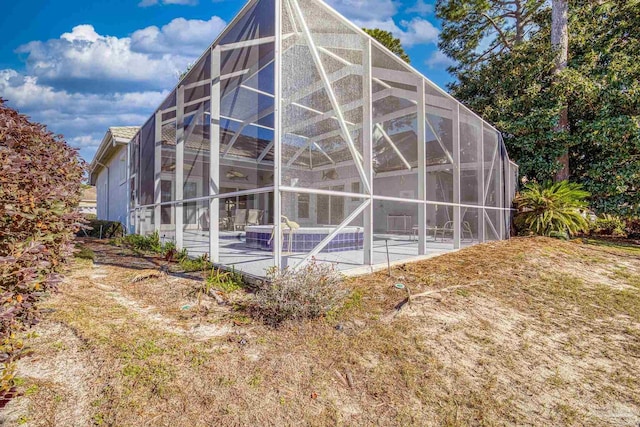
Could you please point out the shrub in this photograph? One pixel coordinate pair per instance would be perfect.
(305, 293)
(551, 209)
(39, 194)
(632, 227)
(609, 225)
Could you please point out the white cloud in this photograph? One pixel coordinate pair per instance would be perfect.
(421, 8)
(367, 10)
(380, 13)
(414, 32)
(83, 82)
(81, 117)
(418, 31)
(439, 59)
(180, 35)
(152, 56)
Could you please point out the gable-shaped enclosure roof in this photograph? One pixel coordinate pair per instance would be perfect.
(296, 112)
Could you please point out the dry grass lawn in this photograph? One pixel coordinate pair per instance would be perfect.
(526, 332)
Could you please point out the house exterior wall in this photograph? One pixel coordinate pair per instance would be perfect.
(111, 186)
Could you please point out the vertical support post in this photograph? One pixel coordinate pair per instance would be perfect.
(277, 138)
(136, 220)
(179, 165)
(214, 158)
(367, 149)
(127, 220)
(502, 212)
(157, 171)
(481, 185)
(509, 199)
(457, 220)
(422, 169)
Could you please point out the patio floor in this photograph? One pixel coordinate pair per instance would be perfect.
(234, 253)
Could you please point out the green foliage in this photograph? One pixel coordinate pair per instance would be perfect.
(152, 244)
(225, 281)
(183, 74)
(474, 31)
(84, 252)
(608, 225)
(387, 39)
(39, 194)
(200, 263)
(552, 209)
(306, 293)
(518, 92)
(137, 242)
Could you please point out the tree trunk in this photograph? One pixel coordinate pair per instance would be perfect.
(560, 44)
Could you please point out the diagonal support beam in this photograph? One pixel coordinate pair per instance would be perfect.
(444, 149)
(315, 144)
(247, 43)
(249, 122)
(493, 228)
(346, 133)
(265, 152)
(488, 180)
(335, 232)
(386, 137)
(234, 139)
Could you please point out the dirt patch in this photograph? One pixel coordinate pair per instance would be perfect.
(59, 382)
(530, 331)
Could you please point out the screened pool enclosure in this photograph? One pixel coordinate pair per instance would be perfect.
(297, 136)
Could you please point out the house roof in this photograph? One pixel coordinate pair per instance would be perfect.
(115, 135)
(124, 132)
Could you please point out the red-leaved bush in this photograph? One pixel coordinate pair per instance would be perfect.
(40, 187)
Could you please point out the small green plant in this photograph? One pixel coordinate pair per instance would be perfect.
(182, 254)
(137, 242)
(306, 293)
(609, 225)
(552, 209)
(200, 263)
(225, 281)
(169, 250)
(84, 252)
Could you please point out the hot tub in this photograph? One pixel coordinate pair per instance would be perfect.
(306, 238)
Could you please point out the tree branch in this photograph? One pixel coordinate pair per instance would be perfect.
(500, 33)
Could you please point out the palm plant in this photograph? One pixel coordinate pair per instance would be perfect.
(552, 209)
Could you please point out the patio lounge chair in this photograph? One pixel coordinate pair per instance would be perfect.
(254, 217)
(240, 219)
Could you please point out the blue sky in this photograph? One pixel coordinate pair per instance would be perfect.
(82, 66)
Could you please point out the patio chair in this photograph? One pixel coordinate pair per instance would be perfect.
(446, 229)
(465, 229)
(254, 217)
(240, 219)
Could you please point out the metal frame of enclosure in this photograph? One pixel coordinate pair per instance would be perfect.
(297, 136)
